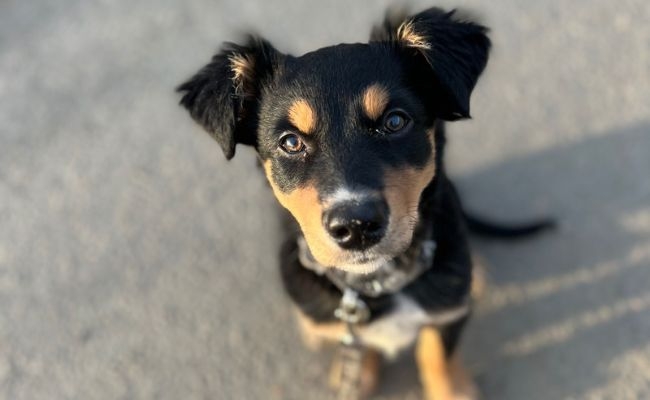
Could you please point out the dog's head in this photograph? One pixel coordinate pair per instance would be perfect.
(345, 133)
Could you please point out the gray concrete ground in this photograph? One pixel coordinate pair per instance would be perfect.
(136, 263)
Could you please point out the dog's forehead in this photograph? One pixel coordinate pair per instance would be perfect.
(344, 69)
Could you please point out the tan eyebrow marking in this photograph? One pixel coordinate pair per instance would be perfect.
(374, 101)
(302, 116)
(407, 34)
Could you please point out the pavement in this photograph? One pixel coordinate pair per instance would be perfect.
(136, 263)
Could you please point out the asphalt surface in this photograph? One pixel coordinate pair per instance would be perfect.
(136, 263)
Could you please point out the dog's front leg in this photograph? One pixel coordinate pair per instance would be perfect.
(441, 375)
(432, 365)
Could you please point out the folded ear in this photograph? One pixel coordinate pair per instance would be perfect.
(452, 53)
(223, 96)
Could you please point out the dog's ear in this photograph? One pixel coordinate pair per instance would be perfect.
(450, 52)
(223, 96)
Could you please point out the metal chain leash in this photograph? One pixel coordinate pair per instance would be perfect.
(351, 311)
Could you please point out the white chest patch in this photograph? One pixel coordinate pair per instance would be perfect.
(399, 328)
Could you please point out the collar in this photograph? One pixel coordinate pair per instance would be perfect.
(389, 278)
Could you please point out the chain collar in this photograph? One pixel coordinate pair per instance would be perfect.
(389, 278)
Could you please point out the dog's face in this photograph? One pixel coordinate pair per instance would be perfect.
(345, 133)
(348, 148)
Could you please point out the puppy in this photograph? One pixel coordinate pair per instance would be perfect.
(351, 140)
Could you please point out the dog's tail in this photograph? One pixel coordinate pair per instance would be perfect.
(484, 227)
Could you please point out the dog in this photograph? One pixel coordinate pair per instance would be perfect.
(351, 139)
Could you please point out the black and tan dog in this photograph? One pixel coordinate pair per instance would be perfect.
(351, 138)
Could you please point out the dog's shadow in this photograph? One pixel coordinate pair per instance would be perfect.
(565, 314)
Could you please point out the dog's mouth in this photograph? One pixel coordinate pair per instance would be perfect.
(355, 262)
(362, 263)
(365, 259)
(364, 266)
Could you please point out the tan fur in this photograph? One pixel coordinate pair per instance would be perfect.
(432, 365)
(304, 205)
(302, 116)
(242, 67)
(374, 101)
(402, 192)
(407, 34)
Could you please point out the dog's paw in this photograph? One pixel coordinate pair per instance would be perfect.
(462, 386)
(455, 396)
(370, 372)
(370, 369)
(336, 370)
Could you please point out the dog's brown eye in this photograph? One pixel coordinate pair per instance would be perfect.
(395, 121)
(291, 143)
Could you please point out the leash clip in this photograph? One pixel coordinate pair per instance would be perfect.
(351, 309)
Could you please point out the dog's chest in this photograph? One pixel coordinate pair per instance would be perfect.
(399, 328)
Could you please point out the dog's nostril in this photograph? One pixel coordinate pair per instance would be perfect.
(341, 233)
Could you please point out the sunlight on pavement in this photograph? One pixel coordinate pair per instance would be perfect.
(565, 330)
(629, 378)
(510, 295)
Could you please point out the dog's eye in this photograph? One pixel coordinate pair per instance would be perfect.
(291, 143)
(395, 121)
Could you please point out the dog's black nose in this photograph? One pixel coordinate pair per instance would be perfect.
(357, 226)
